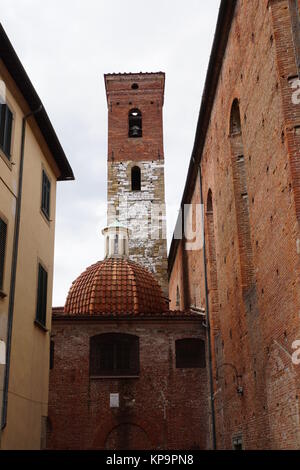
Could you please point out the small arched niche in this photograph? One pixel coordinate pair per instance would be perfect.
(235, 118)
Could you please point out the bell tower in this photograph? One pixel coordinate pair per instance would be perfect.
(136, 188)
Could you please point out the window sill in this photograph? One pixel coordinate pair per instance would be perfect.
(41, 326)
(96, 377)
(2, 295)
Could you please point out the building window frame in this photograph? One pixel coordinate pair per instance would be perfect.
(190, 353)
(114, 355)
(46, 195)
(6, 130)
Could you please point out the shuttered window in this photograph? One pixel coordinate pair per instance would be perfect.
(3, 233)
(41, 308)
(46, 186)
(6, 119)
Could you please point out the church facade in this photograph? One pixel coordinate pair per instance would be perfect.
(127, 372)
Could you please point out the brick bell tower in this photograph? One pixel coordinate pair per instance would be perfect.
(136, 187)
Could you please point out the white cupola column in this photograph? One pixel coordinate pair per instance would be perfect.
(116, 240)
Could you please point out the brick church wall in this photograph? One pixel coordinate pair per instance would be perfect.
(255, 319)
(164, 408)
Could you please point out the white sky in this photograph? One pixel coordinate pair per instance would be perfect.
(66, 46)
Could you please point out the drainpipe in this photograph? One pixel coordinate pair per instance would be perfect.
(210, 371)
(14, 270)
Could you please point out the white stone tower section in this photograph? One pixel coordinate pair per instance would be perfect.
(136, 187)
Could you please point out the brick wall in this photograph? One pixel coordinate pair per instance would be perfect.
(165, 408)
(254, 332)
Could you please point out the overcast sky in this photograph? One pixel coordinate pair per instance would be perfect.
(66, 46)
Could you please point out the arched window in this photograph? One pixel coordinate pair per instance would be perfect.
(135, 178)
(135, 123)
(212, 263)
(239, 173)
(235, 118)
(114, 354)
(190, 353)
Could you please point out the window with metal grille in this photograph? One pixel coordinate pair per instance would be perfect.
(190, 353)
(46, 186)
(135, 123)
(135, 178)
(41, 308)
(114, 354)
(6, 119)
(3, 233)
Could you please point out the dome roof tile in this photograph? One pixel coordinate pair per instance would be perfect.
(115, 286)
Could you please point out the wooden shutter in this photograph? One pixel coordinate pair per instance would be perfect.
(7, 131)
(42, 296)
(46, 195)
(2, 123)
(6, 119)
(3, 233)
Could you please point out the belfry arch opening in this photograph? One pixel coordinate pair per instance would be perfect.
(135, 178)
(235, 118)
(135, 123)
(212, 263)
(239, 173)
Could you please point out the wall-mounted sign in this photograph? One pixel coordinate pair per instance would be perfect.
(114, 400)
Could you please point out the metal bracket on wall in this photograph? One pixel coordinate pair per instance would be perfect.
(239, 388)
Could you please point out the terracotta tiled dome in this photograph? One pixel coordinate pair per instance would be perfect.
(115, 286)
